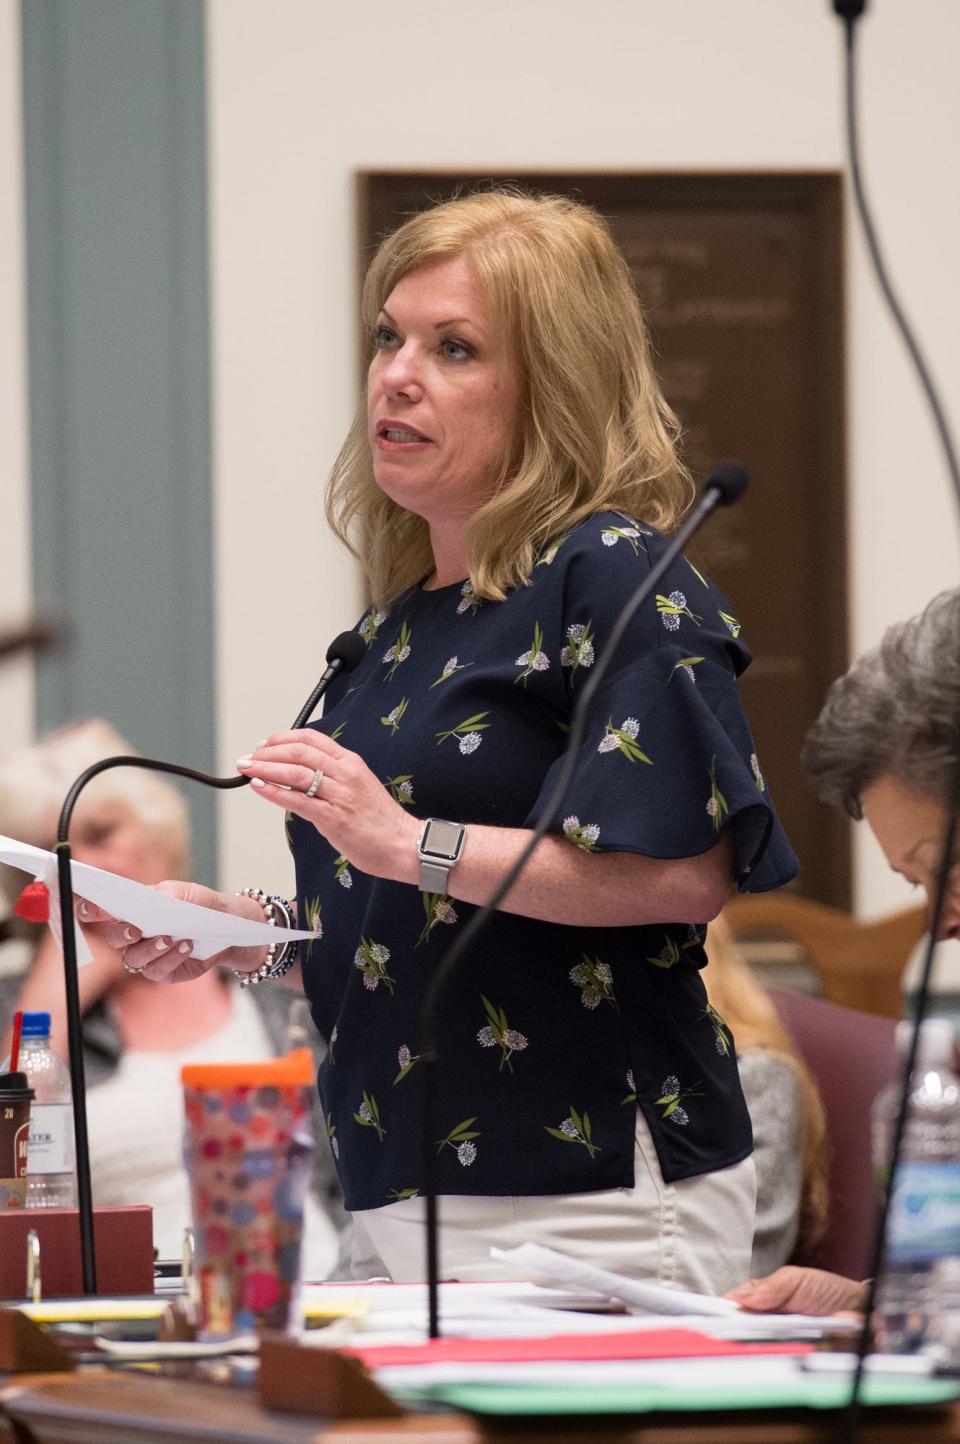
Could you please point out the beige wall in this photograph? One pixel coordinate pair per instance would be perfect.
(304, 93)
(16, 677)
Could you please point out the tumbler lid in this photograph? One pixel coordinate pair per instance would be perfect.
(16, 1084)
(294, 1069)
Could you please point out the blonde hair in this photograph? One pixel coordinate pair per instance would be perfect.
(35, 780)
(595, 432)
(755, 1023)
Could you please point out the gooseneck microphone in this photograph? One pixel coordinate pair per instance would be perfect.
(724, 486)
(850, 12)
(343, 654)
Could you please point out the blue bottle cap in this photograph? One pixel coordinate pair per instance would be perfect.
(36, 1025)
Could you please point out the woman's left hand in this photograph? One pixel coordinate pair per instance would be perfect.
(350, 807)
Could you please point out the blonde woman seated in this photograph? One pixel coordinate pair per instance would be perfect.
(783, 1103)
(136, 1035)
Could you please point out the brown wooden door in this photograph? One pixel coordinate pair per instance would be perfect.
(741, 279)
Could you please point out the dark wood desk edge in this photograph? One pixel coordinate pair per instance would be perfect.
(47, 1408)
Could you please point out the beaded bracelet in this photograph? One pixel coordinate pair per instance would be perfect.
(280, 956)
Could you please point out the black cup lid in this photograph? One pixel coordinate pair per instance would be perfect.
(15, 1083)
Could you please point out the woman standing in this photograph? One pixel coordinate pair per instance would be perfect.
(507, 488)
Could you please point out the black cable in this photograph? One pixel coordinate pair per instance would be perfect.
(873, 246)
(725, 486)
(849, 11)
(343, 654)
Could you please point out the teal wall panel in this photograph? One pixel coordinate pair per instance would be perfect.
(115, 165)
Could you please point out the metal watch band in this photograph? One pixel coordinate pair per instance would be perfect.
(437, 857)
(433, 877)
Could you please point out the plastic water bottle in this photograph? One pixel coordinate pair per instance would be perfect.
(51, 1173)
(923, 1223)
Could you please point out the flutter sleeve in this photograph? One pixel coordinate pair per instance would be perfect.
(666, 763)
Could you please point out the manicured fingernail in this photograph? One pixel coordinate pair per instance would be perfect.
(263, 742)
(83, 909)
(257, 782)
(185, 947)
(162, 944)
(245, 761)
(130, 935)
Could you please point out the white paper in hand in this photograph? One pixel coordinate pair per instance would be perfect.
(557, 1270)
(154, 913)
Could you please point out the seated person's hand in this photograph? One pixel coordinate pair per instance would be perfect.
(166, 959)
(795, 1290)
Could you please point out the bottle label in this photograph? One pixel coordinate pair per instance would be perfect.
(924, 1219)
(51, 1138)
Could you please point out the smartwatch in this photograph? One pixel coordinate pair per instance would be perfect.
(439, 849)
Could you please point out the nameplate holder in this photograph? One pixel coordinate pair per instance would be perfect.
(301, 1379)
(27, 1348)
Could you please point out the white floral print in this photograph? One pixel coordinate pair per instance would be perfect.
(438, 909)
(667, 956)
(395, 717)
(672, 608)
(761, 786)
(371, 625)
(406, 1060)
(579, 651)
(371, 958)
(595, 981)
(721, 1033)
(534, 660)
(623, 739)
(401, 788)
(460, 1138)
(576, 1128)
(686, 664)
(717, 807)
(670, 1100)
(469, 601)
(612, 534)
(498, 1034)
(451, 666)
(468, 731)
(583, 835)
(368, 1115)
(400, 650)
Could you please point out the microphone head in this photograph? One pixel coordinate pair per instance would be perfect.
(346, 651)
(729, 480)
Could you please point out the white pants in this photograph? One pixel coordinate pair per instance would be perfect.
(695, 1234)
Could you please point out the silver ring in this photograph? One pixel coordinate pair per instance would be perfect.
(314, 787)
(126, 965)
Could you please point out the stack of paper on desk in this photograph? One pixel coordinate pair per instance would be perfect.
(508, 1349)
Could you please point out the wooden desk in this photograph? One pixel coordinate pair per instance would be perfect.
(123, 1408)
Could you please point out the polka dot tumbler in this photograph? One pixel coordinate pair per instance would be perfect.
(247, 1148)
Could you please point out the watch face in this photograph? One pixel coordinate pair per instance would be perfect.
(441, 838)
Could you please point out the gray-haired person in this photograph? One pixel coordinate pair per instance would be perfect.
(884, 748)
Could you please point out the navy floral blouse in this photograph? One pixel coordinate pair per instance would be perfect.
(550, 1036)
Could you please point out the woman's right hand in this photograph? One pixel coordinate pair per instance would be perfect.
(170, 960)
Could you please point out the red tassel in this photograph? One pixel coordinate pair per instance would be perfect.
(33, 904)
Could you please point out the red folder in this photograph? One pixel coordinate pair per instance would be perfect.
(664, 1343)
